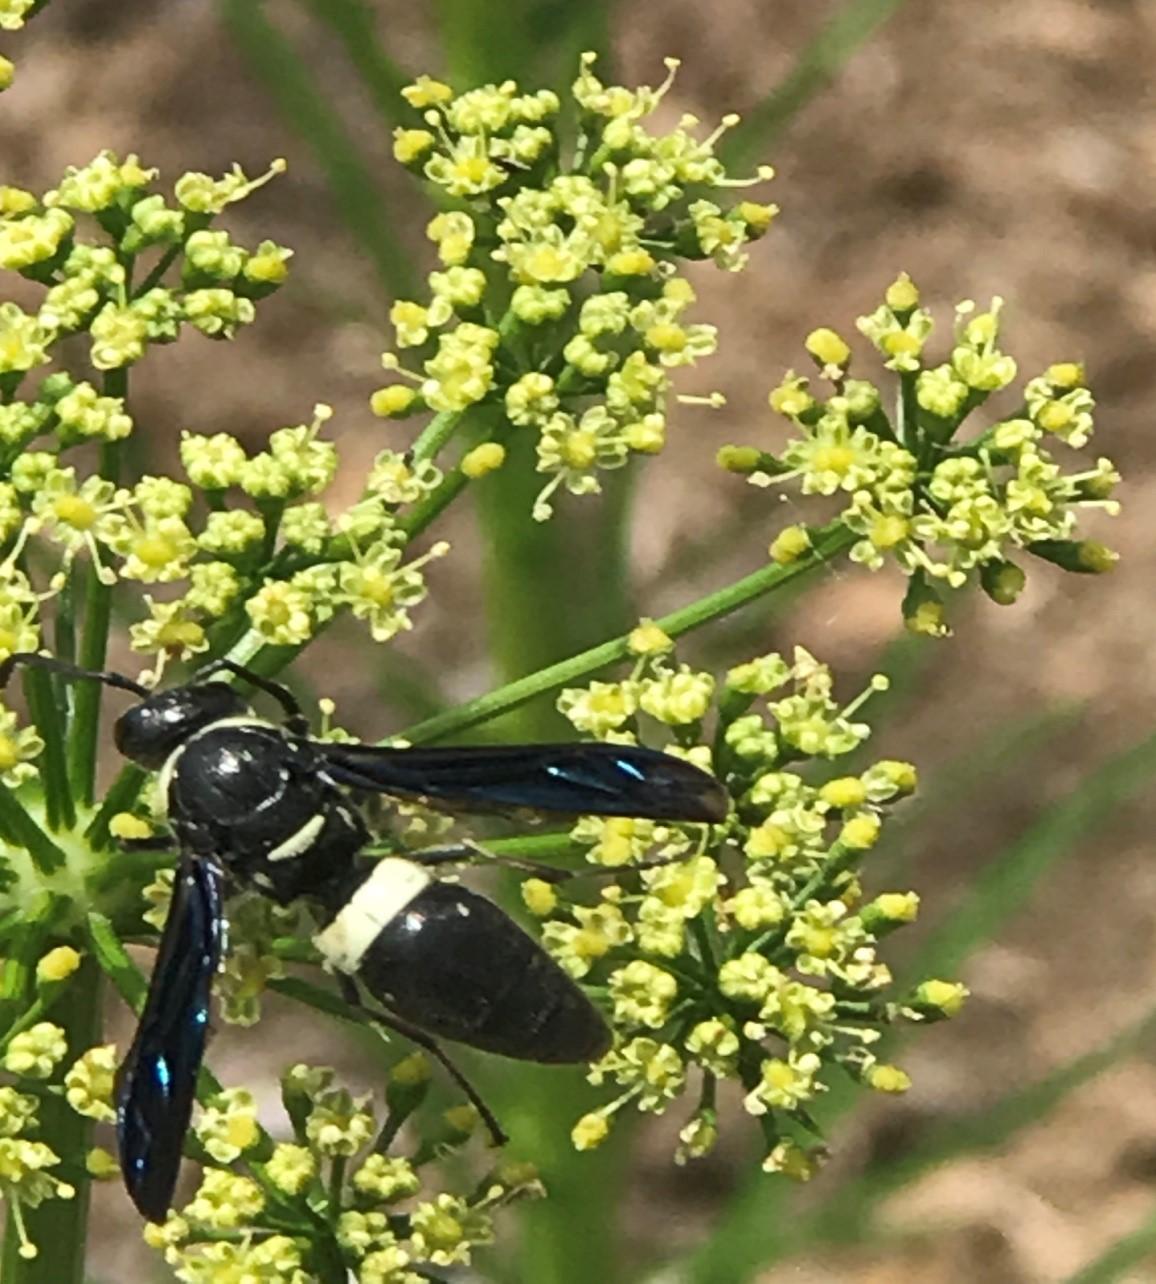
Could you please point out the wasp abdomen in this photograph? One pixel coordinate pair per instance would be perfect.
(449, 960)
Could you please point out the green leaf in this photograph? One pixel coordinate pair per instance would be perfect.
(1004, 885)
(354, 24)
(290, 81)
(817, 65)
(846, 1215)
(533, 41)
(1129, 1251)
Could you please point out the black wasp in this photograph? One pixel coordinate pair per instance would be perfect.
(258, 804)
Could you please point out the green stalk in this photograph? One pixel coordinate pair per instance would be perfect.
(19, 827)
(353, 22)
(826, 545)
(48, 717)
(352, 178)
(435, 435)
(60, 1227)
(85, 738)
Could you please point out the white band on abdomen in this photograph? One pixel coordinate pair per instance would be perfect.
(390, 887)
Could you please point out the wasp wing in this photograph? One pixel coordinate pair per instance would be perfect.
(159, 1076)
(575, 779)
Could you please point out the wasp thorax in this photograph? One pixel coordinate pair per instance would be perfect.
(150, 731)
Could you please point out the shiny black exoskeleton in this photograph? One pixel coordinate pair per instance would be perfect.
(263, 805)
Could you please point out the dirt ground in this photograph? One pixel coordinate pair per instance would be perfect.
(987, 148)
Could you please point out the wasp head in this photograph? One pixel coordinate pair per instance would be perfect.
(150, 731)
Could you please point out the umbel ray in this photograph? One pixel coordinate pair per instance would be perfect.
(256, 804)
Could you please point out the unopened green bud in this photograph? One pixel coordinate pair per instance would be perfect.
(1082, 556)
(902, 294)
(393, 402)
(827, 348)
(790, 544)
(1003, 582)
(743, 460)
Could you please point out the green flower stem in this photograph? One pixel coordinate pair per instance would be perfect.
(19, 827)
(354, 22)
(120, 797)
(907, 427)
(23, 945)
(827, 544)
(48, 717)
(154, 278)
(59, 1227)
(85, 737)
(435, 435)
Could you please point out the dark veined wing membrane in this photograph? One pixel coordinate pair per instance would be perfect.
(159, 1076)
(576, 779)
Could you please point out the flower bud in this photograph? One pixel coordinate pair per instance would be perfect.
(789, 545)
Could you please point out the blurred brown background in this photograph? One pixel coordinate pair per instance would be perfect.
(986, 148)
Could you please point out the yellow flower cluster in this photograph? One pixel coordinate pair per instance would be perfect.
(334, 1186)
(945, 507)
(559, 299)
(744, 950)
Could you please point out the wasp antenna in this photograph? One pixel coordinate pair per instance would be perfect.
(35, 660)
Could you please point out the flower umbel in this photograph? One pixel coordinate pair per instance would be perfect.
(947, 507)
(744, 952)
(583, 236)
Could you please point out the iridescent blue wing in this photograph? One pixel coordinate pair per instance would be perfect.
(575, 779)
(158, 1079)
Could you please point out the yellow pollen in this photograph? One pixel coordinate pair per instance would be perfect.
(75, 512)
(889, 530)
(154, 550)
(899, 343)
(241, 1131)
(545, 263)
(667, 337)
(9, 753)
(176, 635)
(376, 588)
(833, 459)
(580, 449)
(472, 169)
(1056, 415)
(589, 944)
(820, 942)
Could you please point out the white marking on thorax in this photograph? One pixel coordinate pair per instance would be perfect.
(299, 843)
(165, 775)
(390, 887)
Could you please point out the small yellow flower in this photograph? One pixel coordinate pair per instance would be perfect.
(483, 459)
(57, 964)
(789, 545)
(590, 1131)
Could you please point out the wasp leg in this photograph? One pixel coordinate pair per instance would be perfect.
(465, 851)
(295, 720)
(415, 1035)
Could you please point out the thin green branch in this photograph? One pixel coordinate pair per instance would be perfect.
(353, 22)
(17, 825)
(351, 177)
(49, 719)
(826, 545)
(85, 737)
(1125, 1254)
(435, 435)
(59, 1226)
(816, 67)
